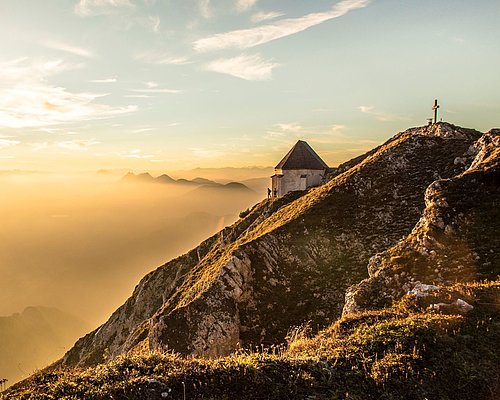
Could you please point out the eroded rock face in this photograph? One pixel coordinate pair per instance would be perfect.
(289, 260)
(457, 238)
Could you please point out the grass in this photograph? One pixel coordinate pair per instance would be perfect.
(405, 351)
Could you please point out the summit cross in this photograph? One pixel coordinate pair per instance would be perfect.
(435, 109)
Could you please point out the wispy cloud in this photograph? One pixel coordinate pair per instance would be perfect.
(173, 61)
(248, 67)
(77, 144)
(136, 153)
(5, 143)
(138, 96)
(153, 88)
(162, 59)
(382, 116)
(156, 91)
(155, 23)
(27, 99)
(266, 16)
(112, 79)
(38, 146)
(142, 130)
(67, 48)
(205, 9)
(246, 38)
(87, 8)
(244, 5)
(290, 127)
(285, 133)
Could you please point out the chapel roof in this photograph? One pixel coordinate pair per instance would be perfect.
(301, 156)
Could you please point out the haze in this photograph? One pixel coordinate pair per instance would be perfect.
(80, 243)
(149, 85)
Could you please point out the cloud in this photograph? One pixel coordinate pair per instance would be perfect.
(156, 90)
(383, 116)
(112, 79)
(86, 8)
(77, 144)
(322, 134)
(246, 38)
(173, 61)
(248, 67)
(67, 48)
(265, 16)
(162, 59)
(155, 23)
(151, 85)
(290, 127)
(5, 143)
(138, 96)
(49, 130)
(135, 154)
(28, 100)
(366, 109)
(244, 5)
(39, 146)
(205, 9)
(142, 130)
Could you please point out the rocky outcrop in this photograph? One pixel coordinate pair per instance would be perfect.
(456, 240)
(289, 260)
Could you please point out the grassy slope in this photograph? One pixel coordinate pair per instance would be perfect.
(324, 238)
(405, 351)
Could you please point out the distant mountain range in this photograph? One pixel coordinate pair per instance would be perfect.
(201, 183)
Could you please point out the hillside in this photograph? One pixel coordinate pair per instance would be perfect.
(406, 351)
(456, 239)
(420, 322)
(288, 261)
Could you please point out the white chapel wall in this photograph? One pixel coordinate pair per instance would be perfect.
(292, 180)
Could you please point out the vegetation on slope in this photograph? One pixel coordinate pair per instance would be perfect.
(405, 351)
(288, 261)
(456, 239)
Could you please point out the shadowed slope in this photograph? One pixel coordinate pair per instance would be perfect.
(456, 239)
(288, 261)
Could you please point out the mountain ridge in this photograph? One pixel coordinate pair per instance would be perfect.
(306, 305)
(224, 294)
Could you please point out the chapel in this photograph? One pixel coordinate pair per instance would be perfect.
(300, 169)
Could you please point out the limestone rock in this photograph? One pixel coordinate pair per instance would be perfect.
(456, 239)
(290, 260)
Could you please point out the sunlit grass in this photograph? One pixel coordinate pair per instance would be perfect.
(404, 351)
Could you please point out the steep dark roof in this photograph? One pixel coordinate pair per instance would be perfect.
(301, 156)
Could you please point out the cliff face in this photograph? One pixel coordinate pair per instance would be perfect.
(456, 239)
(290, 260)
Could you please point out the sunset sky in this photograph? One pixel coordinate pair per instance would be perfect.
(178, 84)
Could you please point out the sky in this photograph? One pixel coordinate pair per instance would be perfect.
(158, 85)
